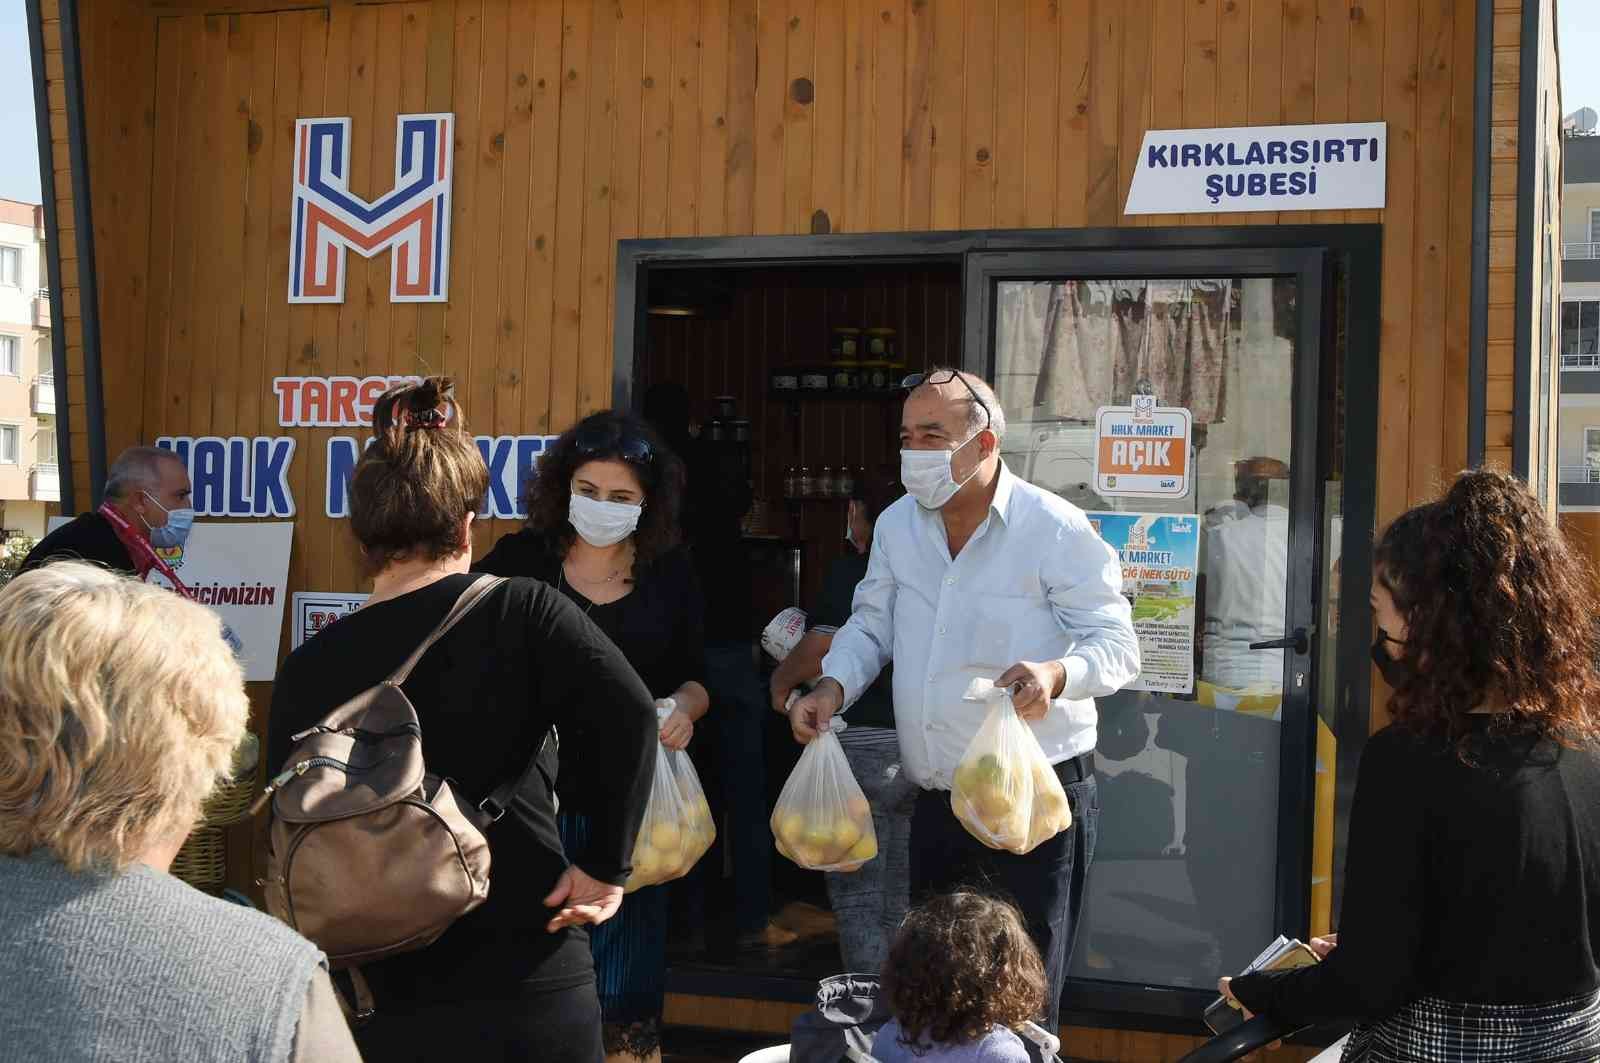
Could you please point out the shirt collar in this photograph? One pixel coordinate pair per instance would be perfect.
(1003, 491)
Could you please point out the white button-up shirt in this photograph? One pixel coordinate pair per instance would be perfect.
(1035, 583)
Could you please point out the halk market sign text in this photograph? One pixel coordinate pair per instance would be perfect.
(237, 476)
(1268, 168)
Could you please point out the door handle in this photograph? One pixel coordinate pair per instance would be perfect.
(1299, 642)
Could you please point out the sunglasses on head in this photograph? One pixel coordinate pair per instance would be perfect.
(606, 440)
(916, 380)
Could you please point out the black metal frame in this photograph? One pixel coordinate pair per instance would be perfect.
(52, 226)
(1478, 307)
(1297, 741)
(1311, 250)
(1529, 140)
(83, 220)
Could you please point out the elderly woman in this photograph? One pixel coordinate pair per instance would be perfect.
(120, 708)
(1471, 918)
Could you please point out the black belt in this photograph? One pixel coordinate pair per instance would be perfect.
(1077, 769)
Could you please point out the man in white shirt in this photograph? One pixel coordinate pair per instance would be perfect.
(978, 574)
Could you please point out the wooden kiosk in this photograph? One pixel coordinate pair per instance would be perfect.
(702, 191)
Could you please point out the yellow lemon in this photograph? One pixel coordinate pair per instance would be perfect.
(818, 835)
(846, 833)
(666, 836)
(792, 828)
(864, 850)
(858, 808)
(646, 862)
(810, 856)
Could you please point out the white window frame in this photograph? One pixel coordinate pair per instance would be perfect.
(16, 434)
(16, 281)
(45, 436)
(15, 368)
(1594, 216)
(1591, 444)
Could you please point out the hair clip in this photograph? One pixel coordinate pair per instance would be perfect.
(431, 419)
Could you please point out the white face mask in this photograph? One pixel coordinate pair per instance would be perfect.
(927, 477)
(602, 523)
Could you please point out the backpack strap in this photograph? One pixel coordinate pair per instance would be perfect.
(469, 598)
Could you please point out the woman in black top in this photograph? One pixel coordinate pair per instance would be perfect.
(603, 529)
(512, 979)
(1471, 918)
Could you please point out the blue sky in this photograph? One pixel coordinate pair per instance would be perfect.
(19, 159)
(19, 150)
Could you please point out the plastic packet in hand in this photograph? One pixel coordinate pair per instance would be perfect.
(822, 821)
(677, 827)
(1006, 793)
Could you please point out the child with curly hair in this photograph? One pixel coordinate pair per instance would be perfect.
(962, 977)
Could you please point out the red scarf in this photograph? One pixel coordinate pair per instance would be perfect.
(144, 555)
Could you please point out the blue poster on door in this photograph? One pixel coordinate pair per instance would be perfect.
(1160, 555)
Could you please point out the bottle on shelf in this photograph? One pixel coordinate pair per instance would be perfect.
(808, 486)
(826, 484)
(847, 482)
(791, 482)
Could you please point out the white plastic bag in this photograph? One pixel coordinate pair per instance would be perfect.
(1006, 793)
(822, 821)
(677, 828)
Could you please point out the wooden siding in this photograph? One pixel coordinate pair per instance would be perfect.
(588, 121)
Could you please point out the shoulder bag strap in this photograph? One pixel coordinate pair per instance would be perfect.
(469, 598)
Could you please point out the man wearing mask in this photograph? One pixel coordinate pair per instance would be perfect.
(979, 574)
(146, 507)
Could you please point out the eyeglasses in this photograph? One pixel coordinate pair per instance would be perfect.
(916, 380)
(607, 439)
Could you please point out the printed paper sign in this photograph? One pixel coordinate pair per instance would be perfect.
(1142, 450)
(239, 571)
(1160, 553)
(315, 610)
(1290, 167)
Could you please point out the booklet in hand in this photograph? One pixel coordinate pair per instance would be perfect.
(1284, 954)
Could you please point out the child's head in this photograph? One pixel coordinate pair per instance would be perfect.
(962, 964)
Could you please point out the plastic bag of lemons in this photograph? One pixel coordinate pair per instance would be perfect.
(1006, 793)
(677, 828)
(822, 821)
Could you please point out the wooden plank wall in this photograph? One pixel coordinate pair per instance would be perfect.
(582, 122)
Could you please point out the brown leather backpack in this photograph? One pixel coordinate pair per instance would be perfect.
(369, 853)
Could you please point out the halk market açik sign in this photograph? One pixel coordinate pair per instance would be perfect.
(239, 476)
(1264, 168)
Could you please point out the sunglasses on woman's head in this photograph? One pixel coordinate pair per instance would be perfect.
(916, 380)
(606, 440)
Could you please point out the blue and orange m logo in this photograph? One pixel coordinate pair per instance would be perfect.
(411, 220)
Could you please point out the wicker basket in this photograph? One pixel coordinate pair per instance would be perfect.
(203, 860)
(230, 803)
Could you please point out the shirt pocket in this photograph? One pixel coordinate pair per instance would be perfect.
(989, 635)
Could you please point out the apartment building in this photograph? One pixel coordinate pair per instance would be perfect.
(28, 471)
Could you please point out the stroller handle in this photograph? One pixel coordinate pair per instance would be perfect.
(1240, 1041)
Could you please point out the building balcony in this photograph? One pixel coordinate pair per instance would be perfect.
(44, 396)
(41, 309)
(1580, 262)
(44, 484)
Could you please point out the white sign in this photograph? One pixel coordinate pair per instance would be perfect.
(1142, 450)
(1287, 167)
(315, 610)
(239, 571)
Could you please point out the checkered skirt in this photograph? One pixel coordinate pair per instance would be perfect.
(1430, 1030)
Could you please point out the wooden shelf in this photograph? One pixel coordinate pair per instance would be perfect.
(801, 395)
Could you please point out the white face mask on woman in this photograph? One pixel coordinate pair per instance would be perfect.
(601, 523)
(927, 477)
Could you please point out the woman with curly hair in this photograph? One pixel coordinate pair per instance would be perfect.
(961, 978)
(1471, 918)
(603, 529)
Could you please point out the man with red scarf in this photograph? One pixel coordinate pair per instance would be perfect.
(146, 506)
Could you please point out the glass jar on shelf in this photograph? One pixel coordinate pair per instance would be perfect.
(791, 482)
(846, 482)
(806, 484)
(826, 483)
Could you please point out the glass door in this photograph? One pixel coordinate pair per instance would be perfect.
(1206, 769)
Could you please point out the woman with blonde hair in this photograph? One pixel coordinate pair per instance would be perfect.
(120, 710)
